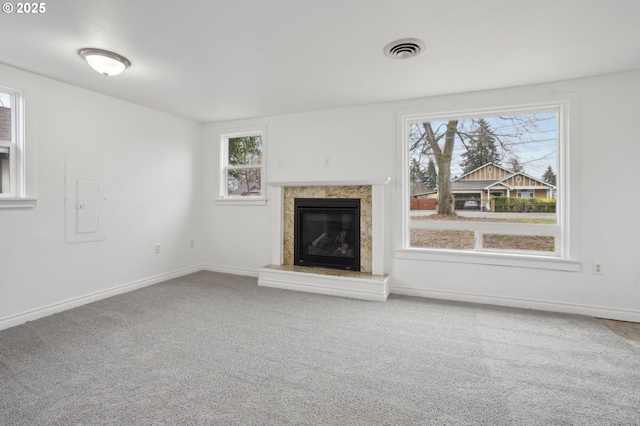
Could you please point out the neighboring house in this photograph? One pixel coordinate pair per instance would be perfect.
(5, 123)
(244, 189)
(492, 180)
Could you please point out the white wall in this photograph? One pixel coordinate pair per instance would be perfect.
(362, 143)
(154, 196)
(163, 183)
(239, 238)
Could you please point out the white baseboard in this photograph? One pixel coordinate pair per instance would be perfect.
(592, 311)
(230, 270)
(34, 314)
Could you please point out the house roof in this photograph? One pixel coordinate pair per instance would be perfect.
(480, 168)
(464, 183)
(253, 188)
(540, 182)
(471, 184)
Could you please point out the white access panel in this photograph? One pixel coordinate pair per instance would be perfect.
(85, 199)
(87, 206)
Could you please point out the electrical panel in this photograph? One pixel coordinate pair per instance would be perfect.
(85, 200)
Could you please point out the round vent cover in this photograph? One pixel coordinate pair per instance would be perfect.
(404, 48)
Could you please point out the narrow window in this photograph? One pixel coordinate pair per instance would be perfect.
(11, 144)
(242, 168)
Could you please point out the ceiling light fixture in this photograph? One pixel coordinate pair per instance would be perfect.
(105, 62)
(404, 48)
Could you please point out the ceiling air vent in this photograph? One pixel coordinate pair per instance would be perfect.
(404, 48)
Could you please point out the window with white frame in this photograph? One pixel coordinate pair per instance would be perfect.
(11, 144)
(242, 165)
(520, 150)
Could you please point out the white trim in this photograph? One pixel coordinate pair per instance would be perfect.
(44, 311)
(230, 270)
(491, 227)
(376, 294)
(244, 201)
(277, 230)
(379, 181)
(377, 229)
(18, 203)
(569, 308)
(489, 258)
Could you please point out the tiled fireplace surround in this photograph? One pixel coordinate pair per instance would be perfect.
(370, 283)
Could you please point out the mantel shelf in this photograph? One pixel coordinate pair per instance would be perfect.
(380, 181)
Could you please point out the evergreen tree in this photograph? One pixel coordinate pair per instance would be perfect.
(431, 175)
(514, 165)
(481, 148)
(416, 176)
(549, 176)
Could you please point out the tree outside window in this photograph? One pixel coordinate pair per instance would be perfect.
(243, 165)
(493, 178)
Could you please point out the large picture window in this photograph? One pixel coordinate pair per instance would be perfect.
(486, 182)
(242, 165)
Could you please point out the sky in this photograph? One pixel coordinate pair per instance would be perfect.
(535, 147)
(5, 100)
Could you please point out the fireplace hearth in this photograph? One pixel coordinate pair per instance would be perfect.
(327, 233)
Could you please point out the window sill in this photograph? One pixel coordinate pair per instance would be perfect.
(497, 259)
(242, 202)
(18, 203)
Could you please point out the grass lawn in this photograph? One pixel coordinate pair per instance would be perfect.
(464, 240)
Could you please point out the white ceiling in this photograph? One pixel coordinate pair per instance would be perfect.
(215, 60)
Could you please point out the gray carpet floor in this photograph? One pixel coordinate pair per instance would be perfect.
(217, 349)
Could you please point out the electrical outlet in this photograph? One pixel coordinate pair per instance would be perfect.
(193, 243)
(598, 269)
(157, 248)
(327, 161)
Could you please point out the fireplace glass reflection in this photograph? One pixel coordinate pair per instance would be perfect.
(327, 233)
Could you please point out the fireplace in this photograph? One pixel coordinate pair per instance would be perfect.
(367, 281)
(327, 233)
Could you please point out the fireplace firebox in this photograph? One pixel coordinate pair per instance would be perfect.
(327, 233)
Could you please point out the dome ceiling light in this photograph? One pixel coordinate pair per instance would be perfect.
(105, 62)
(404, 48)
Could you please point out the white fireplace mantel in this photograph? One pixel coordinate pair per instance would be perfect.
(372, 182)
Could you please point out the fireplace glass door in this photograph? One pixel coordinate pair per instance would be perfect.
(327, 233)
